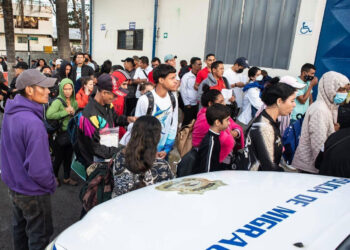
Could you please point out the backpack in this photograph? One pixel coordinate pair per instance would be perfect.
(186, 165)
(290, 139)
(72, 130)
(184, 139)
(98, 186)
(53, 125)
(151, 102)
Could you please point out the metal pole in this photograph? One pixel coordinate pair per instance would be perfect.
(83, 38)
(28, 41)
(155, 28)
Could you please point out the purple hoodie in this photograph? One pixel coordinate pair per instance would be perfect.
(25, 158)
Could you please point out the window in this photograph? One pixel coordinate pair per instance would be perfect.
(130, 39)
(261, 30)
(22, 39)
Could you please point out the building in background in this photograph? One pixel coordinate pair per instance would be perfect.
(74, 39)
(36, 24)
(279, 36)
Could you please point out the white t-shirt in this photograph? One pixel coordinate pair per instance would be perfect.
(232, 77)
(141, 74)
(163, 111)
(188, 93)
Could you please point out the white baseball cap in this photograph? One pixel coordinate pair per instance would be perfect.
(292, 81)
(59, 61)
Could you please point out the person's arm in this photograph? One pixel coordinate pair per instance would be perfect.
(264, 139)
(54, 113)
(38, 160)
(199, 79)
(184, 89)
(302, 98)
(311, 99)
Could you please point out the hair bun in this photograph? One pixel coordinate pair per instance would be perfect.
(274, 80)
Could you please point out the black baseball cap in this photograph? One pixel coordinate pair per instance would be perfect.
(129, 59)
(242, 61)
(32, 77)
(105, 82)
(21, 65)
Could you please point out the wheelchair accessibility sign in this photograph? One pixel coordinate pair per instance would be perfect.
(305, 28)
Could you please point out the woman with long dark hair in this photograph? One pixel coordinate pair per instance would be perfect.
(136, 165)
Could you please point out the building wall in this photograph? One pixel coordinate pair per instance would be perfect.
(185, 22)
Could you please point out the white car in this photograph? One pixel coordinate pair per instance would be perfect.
(221, 210)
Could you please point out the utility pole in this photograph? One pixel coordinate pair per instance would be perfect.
(28, 41)
(83, 36)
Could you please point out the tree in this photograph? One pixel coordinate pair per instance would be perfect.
(62, 29)
(75, 18)
(9, 35)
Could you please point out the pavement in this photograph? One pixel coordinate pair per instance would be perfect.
(66, 208)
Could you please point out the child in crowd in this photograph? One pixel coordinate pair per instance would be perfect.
(218, 116)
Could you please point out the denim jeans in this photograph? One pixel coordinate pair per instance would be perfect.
(32, 221)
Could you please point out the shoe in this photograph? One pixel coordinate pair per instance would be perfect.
(69, 181)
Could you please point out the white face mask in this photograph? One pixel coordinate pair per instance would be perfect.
(259, 78)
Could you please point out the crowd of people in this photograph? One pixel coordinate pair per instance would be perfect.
(121, 121)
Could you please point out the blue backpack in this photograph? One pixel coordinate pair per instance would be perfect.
(291, 138)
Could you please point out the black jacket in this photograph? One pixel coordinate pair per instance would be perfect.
(85, 71)
(335, 160)
(94, 118)
(264, 143)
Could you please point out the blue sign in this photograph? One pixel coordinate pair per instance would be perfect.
(132, 25)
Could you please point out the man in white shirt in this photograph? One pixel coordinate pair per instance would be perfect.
(165, 106)
(236, 79)
(141, 73)
(188, 92)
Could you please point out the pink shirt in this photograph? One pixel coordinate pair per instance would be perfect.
(227, 143)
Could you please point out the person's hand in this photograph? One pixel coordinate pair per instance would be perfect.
(234, 133)
(336, 126)
(232, 99)
(161, 155)
(314, 82)
(86, 90)
(131, 119)
(1, 97)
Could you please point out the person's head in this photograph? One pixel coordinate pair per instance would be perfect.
(106, 67)
(209, 59)
(41, 63)
(144, 62)
(254, 74)
(122, 79)
(136, 61)
(66, 88)
(68, 69)
(79, 58)
(170, 59)
(20, 67)
(146, 87)
(217, 69)
(183, 63)
(155, 62)
(240, 64)
(1, 59)
(308, 71)
(218, 116)
(46, 70)
(87, 83)
(333, 88)
(141, 150)
(117, 67)
(58, 63)
(94, 78)
(165, 76)
(105, 86)
(211, 96)
(280, 96)
(196, 64)
(33, 62)
(35, 86)
(129, 64)
(87, 57)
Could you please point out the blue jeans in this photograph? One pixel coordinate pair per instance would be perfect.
(32, 221)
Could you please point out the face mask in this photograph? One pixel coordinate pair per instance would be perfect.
(309, 78)
(340, 98)
(259, 78)
(239, 71)
(86, 60)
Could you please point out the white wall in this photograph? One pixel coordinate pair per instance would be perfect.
(186, 24)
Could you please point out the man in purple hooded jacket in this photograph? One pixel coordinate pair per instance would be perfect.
(25, 161)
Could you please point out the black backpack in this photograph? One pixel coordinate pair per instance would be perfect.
(53, 125)
(151, 102)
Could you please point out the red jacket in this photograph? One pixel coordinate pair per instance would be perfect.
(82, 98)
(118, 105)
